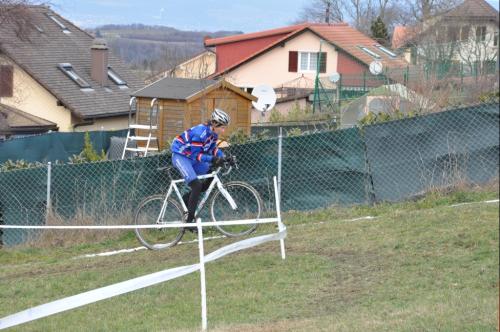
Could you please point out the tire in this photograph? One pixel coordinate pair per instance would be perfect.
(249, 206)
(147, 214)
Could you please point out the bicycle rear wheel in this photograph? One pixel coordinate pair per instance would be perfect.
(148, 213)
(249, 206)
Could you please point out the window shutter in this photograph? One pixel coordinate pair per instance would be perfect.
(322, 64)
(6, 81)
(293, 59)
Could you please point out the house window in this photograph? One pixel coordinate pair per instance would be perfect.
(67, 68)
(370, 52)
(308, 62)
(115, 78)
(453, 33)
(59, 23)
(464, 33)
(481, 33)
(495, 39)
(386, 51)
(6, 81)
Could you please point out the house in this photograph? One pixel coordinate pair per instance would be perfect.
(466, 34)
(278, 57)
(387, 99)
(14, 122)
(201, 65)
(184, 103)
(61, 74)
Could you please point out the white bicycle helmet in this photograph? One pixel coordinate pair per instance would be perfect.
(220, 118)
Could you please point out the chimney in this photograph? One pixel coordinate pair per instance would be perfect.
(99, 55)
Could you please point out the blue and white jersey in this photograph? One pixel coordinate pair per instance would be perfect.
(198, 143)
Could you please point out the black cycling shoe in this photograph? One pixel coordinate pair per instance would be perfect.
(192, 229)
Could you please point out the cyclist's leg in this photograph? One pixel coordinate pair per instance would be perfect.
(202, 169)
(199, 170)
(185, 166)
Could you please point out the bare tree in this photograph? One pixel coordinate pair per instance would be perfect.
(322, 11)
(16, 14)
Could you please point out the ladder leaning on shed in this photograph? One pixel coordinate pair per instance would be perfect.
(141, 124)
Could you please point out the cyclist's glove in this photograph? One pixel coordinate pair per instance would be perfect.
(231, 160)
(217, 161)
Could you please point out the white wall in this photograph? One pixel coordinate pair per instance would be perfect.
(30, 97)
(271, 68)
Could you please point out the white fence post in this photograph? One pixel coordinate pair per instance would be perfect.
(278, 212)
(202, 277)
(49, 180)
(280, 153)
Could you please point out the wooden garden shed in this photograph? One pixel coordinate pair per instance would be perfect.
(183, 103)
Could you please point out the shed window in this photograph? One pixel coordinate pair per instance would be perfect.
(67, 68)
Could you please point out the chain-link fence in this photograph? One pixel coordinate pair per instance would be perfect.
(389, 161)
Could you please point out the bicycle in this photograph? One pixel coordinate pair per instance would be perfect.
(234, 200)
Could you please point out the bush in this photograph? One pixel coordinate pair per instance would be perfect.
(88, 154)
(18, 164)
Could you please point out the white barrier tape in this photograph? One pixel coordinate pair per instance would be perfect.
(169, 225)
(124, 251)
(103, 293)
(469, 203)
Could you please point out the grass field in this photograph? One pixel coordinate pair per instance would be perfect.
(417, 266)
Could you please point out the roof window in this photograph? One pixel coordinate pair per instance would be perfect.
(67, 68)
(59, 23)
(116, 78)
(386, 51)
(370, 52)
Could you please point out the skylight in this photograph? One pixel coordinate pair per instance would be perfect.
(115, 78)
(67, 68)
(370, 52)
(386, 51)
(59, 23)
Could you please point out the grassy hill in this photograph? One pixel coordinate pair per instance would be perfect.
(423, 265)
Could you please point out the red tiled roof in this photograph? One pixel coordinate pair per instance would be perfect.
(474, 8)
(399, 36)
(253, 35)
(341, 35)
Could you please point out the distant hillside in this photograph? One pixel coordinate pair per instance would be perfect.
(151, 49)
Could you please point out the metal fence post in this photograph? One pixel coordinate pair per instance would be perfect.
(49, 180)
(280, 150)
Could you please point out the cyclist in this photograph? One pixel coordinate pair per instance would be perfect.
(193, 152)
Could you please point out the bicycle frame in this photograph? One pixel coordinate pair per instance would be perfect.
(215, 182)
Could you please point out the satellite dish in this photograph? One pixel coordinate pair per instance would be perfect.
(335, 77)
(376, 67)
(266, 98)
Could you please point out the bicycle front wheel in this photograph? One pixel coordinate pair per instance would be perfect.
(148, 214)
(248, 206)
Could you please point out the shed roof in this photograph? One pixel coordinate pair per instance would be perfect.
(187, 89)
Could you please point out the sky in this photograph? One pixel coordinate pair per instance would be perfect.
(200, 15)
(206, 15)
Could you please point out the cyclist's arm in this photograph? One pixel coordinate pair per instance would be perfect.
(215, 151)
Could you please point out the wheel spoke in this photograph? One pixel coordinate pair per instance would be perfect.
(147, 214)
(248, 207)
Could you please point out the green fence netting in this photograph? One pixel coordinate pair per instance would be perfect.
(54, 146)
(391, 161)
